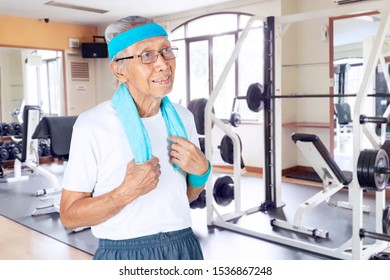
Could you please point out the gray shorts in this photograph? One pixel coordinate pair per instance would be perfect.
(175, 245)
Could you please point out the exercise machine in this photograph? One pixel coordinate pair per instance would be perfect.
(353, 248)
(333, 180)
(29, 156)
(58, 129)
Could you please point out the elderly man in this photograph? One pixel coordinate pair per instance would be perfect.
(135, 162)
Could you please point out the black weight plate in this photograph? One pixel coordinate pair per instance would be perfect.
(386, 220)
(191, 105)
(199, 108)
(200, 202)
(371, 168)
(227, 150)
(362, 169)
(219, 190)
(369, 162)
(381, 161)
(386, 148)
(202, 144)
(254, 97)
(235, 119)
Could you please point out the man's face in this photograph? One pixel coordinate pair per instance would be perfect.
(154, 79)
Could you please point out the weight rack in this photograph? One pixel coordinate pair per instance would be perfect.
(351, 249)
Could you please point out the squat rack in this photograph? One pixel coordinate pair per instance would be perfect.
(274, 28)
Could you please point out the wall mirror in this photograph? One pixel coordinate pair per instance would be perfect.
(350, 39)
(30, 76)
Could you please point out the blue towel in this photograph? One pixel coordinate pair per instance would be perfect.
(137, 136)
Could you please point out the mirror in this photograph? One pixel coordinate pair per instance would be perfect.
(350, 41)
(33, 77)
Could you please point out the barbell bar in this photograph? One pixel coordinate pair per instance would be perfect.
(376, 120)
(369, 234)
(255, 96)
(385, 95)
(385, 236)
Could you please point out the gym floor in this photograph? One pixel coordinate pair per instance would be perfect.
(43, 237)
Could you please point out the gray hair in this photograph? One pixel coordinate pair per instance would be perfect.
(122, 25)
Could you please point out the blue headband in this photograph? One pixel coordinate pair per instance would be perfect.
(133, 35)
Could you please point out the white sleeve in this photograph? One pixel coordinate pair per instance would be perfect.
(81, 169)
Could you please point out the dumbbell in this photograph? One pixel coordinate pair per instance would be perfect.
(44, 147)
(10, 129)
(17, 129)
(3, 152)
(2, 132)
(12, 149)
(4, 129)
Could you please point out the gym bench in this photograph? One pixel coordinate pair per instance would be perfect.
(333, 180)
(58, 130)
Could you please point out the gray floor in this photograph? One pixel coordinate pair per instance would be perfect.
(17, 201)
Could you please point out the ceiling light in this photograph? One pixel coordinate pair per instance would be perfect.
(75, 7)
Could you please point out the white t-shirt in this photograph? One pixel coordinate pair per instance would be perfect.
(98, 157)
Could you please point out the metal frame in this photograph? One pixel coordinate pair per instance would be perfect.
(352, 248)
(32, 162)
(331, 185)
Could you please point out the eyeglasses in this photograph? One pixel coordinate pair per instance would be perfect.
(152, 56)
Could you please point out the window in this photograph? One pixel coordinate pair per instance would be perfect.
(347, 79)
(205, 46)
(44, 81)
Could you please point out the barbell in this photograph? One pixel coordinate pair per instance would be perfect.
(256, 96)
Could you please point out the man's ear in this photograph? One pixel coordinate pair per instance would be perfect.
(114, 66)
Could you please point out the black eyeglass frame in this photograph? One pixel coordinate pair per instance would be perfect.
(158, 52)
